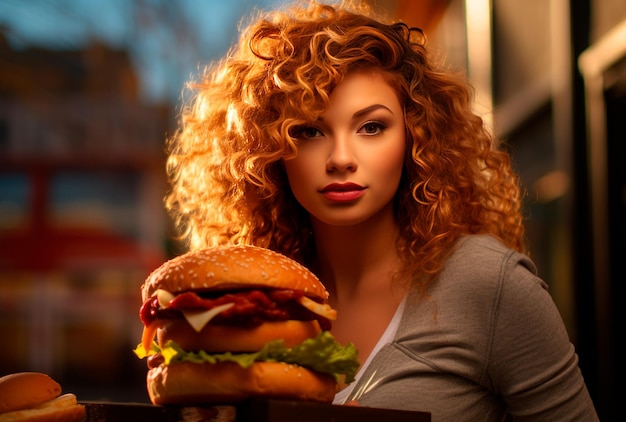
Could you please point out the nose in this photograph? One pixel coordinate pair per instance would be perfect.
(341, 156)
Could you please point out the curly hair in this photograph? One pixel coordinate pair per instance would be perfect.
(225, 163)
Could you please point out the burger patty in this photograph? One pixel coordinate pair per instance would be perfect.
(251, 307)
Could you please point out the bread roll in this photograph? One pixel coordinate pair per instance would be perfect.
(35, 397)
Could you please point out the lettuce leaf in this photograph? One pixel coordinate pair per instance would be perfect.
(322, 354)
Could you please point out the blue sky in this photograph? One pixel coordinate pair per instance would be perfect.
(168, 40)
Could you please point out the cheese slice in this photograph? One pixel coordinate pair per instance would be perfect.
(60, 402)
(198, 319)
(164, 297)
(45, 411)
(318, 308)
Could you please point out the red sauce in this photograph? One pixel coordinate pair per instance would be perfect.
(252, 307)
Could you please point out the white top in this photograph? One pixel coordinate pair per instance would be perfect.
(386, 338)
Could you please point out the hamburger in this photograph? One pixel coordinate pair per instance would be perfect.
(35, 397)
(228, 323)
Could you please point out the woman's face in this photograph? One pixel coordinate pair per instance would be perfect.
(349, 161)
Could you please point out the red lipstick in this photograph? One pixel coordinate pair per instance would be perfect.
(342, 192)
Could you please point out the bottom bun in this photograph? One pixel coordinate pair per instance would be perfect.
(226, 382)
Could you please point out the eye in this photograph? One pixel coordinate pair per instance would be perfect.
(372, 128)
(306, 132)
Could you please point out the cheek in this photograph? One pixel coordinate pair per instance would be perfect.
(391, 175)
(296, 174)
(391, 167)
(300, 170)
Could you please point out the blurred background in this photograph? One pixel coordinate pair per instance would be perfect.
(90, 90)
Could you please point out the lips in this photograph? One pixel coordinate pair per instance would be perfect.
(342, 192)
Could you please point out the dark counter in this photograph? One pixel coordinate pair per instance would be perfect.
(255, 410)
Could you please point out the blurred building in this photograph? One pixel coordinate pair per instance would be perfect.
(81, 215)
(550, 80)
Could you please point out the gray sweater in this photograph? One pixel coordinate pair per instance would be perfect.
(489, 342)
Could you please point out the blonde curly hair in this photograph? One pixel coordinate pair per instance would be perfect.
(225, 163)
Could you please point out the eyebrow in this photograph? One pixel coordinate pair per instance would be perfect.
(369, 109)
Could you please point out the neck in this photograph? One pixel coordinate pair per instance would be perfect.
(353, 260)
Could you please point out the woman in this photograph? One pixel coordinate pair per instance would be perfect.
(329, 136)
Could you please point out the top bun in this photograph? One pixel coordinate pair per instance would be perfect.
(24, 390)
(232, 267)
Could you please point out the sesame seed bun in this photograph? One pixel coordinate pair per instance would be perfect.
(190, 372)
(232, 267)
